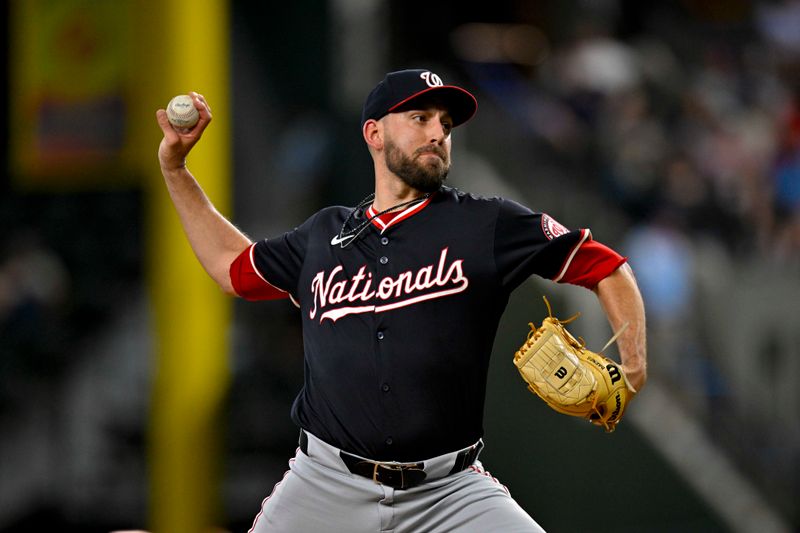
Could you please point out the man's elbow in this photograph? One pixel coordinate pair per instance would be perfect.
(229, 290)
(222, 278)
(224, 272)
(622, 276)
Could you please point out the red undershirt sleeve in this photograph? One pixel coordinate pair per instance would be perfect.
(592, 263)
(248, 282)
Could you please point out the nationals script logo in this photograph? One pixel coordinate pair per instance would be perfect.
(336, 296)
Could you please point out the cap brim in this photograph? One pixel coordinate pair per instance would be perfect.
(460, 103)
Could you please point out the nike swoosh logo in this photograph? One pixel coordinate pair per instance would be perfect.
(339, 240)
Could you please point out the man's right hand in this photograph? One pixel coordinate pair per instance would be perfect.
(177, 142)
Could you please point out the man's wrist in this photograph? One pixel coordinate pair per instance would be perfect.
(636, 375)
(173, 168)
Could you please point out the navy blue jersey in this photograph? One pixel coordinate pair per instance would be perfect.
(398, 325)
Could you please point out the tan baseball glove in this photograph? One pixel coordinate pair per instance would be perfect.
(571, 379)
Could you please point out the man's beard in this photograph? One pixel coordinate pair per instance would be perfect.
(424, 177)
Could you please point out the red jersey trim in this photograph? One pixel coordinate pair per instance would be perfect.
(274, 489)
(590, 263)
(386, 220)
(248, 282)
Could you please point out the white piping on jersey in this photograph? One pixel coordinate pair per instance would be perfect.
(255, 269)
(405, 213)
(585, 234)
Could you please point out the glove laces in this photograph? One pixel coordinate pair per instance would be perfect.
(535, 333)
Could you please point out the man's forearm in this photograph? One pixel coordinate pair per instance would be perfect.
(215, 241)
(622, 302)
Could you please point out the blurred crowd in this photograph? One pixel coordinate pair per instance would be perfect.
(690, 125)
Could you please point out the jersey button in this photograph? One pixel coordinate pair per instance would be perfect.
(384, 260)
(381, 335)
(386, 387)
(384, 240)
(389, 441)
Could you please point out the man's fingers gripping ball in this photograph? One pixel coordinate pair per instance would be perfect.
(571, 379)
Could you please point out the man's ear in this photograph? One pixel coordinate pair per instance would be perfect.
(373, 134)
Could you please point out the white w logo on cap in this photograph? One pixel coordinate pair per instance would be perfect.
(431, 79)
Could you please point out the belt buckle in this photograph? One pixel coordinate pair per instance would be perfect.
(388, 466)
(393, 467)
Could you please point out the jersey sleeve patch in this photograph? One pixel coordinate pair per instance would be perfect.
(527, 243)
(248, 282)
(552, 228)
(590, 263)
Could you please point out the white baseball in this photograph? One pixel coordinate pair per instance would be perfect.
(181, 112)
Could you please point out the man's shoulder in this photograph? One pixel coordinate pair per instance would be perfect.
(324, 219)
(498, 207)
(453, 195)
(333, 211)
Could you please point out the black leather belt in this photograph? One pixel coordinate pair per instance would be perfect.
(397, 475)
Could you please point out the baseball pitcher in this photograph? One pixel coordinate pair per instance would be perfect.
(400, 298)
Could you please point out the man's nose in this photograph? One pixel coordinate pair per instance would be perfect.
(436, 132)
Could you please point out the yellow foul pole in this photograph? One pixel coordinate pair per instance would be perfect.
(185, 47)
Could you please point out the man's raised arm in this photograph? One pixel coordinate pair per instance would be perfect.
(215, 241)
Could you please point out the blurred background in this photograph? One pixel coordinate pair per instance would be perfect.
(133, 395)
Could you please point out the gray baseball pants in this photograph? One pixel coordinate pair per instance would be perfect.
(320, 494)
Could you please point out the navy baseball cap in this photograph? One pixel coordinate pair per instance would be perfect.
(404, 86)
